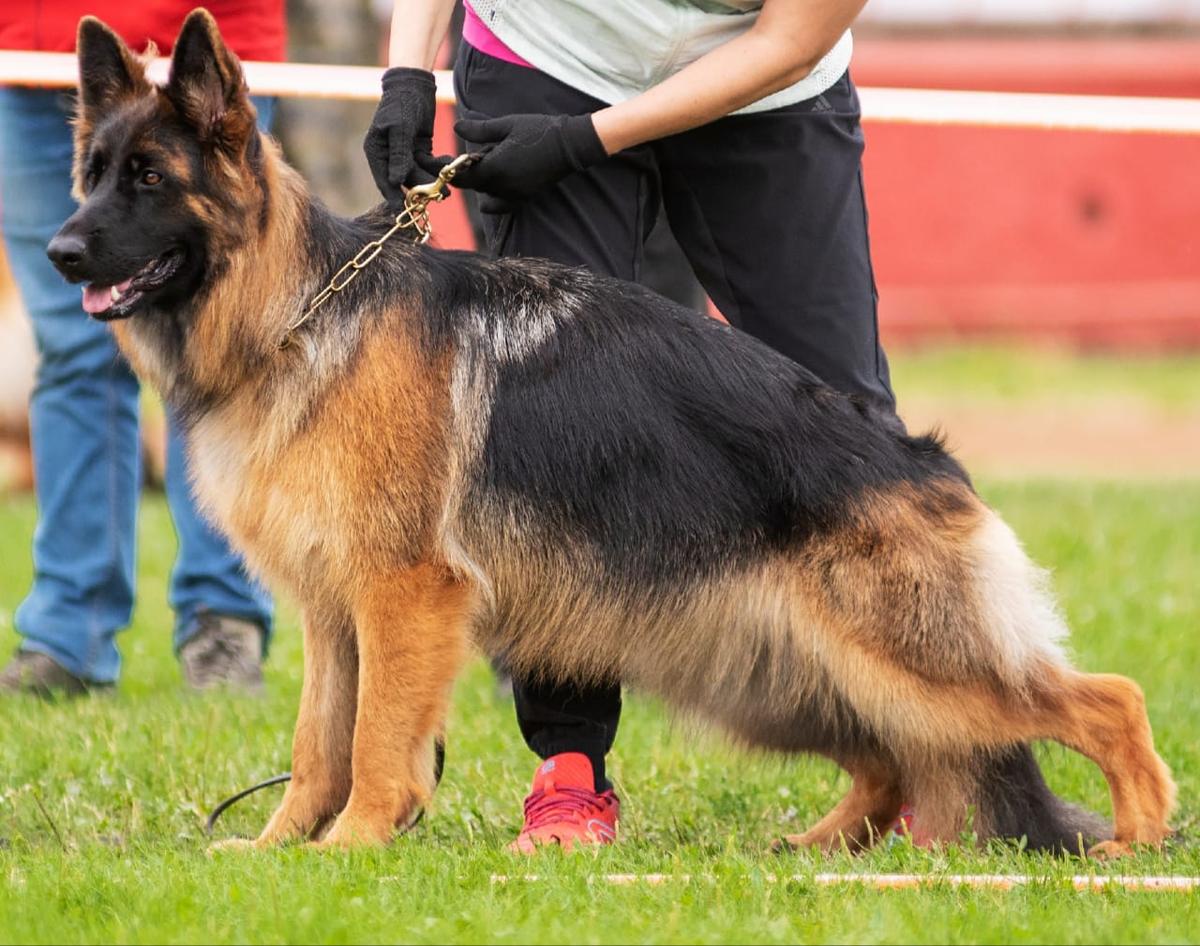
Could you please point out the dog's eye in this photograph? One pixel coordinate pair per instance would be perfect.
(93, 175)
(151, 178)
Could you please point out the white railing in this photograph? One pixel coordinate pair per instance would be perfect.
(923, 106)
(1058, 13)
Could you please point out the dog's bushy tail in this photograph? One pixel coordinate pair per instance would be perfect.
(1013, 801)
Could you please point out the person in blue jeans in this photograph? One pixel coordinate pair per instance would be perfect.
(84, 421)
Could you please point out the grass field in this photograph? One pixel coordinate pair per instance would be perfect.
(1049, 375)
(101, 800)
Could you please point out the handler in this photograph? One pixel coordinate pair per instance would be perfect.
(740, 118)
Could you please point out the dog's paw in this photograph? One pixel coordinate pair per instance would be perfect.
(789, 843)
(348, 836)
(1110, 850)
(337, 843)
(230, 844)
(821, 844)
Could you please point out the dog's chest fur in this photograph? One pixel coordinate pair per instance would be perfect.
(286, 535)
(321, 494)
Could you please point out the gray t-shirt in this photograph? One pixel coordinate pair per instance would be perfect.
(616, 49)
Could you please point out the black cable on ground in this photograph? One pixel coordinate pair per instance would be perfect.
(439, 748)
(234, 799)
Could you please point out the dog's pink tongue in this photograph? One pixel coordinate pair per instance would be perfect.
(98, 299)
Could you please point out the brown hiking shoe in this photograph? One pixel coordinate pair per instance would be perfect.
(225, 651)
(35, 673)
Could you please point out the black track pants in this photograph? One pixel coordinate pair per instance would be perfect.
(770, 212)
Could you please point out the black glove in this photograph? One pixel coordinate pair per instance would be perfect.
(399, 143)
(524, 154)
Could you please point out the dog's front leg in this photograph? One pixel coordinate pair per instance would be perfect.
(324, 734)
(411, 630)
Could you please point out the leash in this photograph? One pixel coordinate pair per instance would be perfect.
(439, 764)
(234, 799)
(414, 216)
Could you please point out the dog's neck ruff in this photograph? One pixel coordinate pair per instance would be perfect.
(414, 216)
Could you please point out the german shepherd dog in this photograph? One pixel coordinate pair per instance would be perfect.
(585, 480)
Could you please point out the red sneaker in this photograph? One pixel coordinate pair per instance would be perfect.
(564, 808)
(907, 824)
(903, 825)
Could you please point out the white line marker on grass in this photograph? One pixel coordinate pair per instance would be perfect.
(909, 881)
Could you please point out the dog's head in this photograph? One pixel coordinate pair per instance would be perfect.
(169, 180)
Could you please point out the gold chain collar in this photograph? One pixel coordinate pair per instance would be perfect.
(414, 216)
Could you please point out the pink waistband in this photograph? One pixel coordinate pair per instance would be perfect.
(476, 32)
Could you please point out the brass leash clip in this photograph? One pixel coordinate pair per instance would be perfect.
(435, 190)
(414, 216)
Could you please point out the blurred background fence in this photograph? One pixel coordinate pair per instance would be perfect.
(1089, 238)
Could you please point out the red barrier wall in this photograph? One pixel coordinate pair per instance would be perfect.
(1079, 236)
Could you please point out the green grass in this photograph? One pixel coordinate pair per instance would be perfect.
(101, 800)
(999, 374)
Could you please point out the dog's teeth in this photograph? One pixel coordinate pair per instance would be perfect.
(115, 293)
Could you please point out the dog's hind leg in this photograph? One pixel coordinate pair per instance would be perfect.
(936, 629)
(863, 815)
(944, 732)
(324, 733)
(1104, 717)
(939, 791)
(411, 630)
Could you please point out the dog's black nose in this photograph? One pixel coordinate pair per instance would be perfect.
(66, 252)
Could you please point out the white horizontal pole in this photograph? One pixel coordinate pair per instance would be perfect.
(288, 79)
(1110, 113)
(908, 881)
(1114, 113)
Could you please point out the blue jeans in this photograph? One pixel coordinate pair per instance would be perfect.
(84, 420)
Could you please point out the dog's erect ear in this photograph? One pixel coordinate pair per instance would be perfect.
(206, 85)
(108, 71)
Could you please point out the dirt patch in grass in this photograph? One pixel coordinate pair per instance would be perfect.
(1117, 437)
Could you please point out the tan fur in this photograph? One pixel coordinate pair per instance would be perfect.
(412, 631)
(321, 763)
(18, 361)
(864, 815)
(1104, 717)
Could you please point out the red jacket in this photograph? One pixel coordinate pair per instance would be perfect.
(254, 29)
